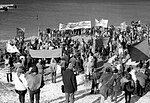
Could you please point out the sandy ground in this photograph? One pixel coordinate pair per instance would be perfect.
(51, 93)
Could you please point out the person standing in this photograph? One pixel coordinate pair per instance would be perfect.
(106, 89)
(141, 78)
(70, 84)
(129, 88)
(35, 83)
(63, 65)
(116, 85)
(29, 62)
(89, 69)
(8, 69)
(20, 84)
(53, 68)
(40, 67)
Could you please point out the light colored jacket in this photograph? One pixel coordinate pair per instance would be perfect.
(34, 81)
(141, 77)
(20, 82)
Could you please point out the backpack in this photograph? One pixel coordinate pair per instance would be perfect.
(129, 86)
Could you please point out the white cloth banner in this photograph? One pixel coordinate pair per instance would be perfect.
(102, 22)
(76, 25)
(11, 49)
(62, 26)
(85, 24)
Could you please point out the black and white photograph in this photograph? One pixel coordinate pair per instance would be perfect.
(74, 51)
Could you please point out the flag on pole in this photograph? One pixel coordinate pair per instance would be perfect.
(96, 22)
(139, 51)
(11, 48)
(123, 26)
(102, 22)
(20, 32)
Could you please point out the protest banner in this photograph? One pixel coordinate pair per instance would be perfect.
(77, 25)
(11, 48)
(72, 26)
(85, 24)
(102, 22)
(46, 53)
(62, 26)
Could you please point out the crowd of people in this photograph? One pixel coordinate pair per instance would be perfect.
(79, 57)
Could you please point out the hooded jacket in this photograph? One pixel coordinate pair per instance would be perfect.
(35, 80)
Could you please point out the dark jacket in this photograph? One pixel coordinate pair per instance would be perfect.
(69, 80)
(107, 80)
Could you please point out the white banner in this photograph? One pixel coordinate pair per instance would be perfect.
(11, 49)
(76, 25)
(103, 23)
(62, 26)
(46, 53)
(72, 26)
(85, 24)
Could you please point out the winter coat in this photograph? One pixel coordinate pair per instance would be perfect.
(141, 77)
(107, 80)
(20, 82)
(69, 80)
(35, 81)
(117, 84)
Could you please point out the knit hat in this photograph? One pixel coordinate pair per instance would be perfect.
(34, 69)
(70, 66)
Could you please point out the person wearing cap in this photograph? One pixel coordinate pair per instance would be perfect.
(70, 84)
(20, 84)
(35, 83)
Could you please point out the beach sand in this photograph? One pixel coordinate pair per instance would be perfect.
(51, 93)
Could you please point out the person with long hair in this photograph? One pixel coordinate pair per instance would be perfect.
(20, 84)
